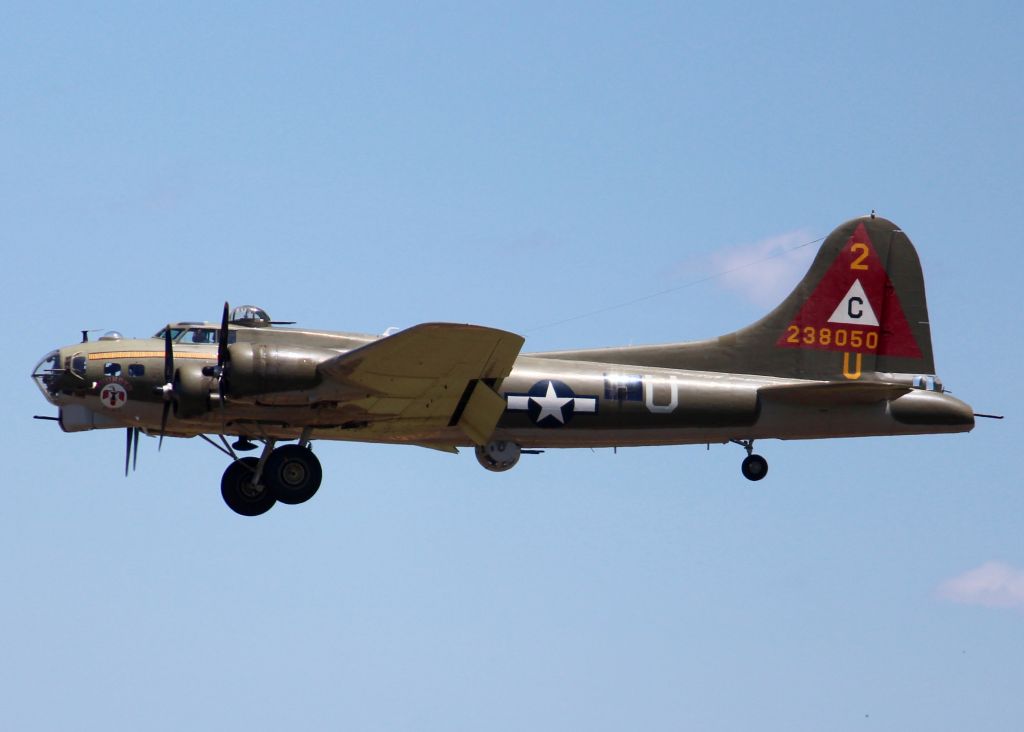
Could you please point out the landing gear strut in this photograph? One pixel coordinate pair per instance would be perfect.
(753, 467)
(290, 474)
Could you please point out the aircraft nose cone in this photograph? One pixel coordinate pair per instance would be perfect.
(47, 373)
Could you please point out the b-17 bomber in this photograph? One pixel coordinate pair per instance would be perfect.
(847, 354)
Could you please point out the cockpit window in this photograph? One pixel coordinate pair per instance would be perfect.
(202, 336)
(78, 365)
(199, 335)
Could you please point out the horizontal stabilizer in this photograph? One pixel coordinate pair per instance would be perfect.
(833, 394)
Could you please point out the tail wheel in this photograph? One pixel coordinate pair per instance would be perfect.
(293, 473)
(242, 496)
(754, 467)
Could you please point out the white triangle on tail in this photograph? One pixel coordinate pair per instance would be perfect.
(854, 308)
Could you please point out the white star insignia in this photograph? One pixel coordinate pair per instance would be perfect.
(551, 404)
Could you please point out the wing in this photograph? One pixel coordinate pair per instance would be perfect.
(428, 377)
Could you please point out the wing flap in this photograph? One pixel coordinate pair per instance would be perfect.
(481, 413)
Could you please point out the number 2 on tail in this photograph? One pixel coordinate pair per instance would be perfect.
(858, 263)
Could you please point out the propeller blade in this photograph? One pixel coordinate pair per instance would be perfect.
(222, 356)
(127, 451)
(168, 356)
(222, 340)
(135, 447)
(163, 424)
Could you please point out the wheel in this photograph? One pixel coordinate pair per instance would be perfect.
(754, 467)
(294, 474)
(498, 456)
(240, 494)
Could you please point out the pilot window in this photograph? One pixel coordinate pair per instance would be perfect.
(136, 370)
(202, 336)
(197, 335)
(112, 369)
(175, 332)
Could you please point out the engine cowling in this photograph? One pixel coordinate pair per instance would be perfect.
(191, 392)
(260, 368)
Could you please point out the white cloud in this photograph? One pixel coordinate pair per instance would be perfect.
(767, 270)
(993, 584)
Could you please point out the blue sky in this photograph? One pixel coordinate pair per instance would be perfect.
(356, 168)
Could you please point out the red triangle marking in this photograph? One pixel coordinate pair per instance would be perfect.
(811, 328)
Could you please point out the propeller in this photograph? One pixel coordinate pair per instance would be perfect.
(220, 371)
(170, 382)
(167, 390)
(171, 378)
(223, 358)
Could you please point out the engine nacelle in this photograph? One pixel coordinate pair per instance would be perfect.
(260, 368)
(191, 392)
(498, 455)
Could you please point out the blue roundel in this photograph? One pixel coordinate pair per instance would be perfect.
(552, 403)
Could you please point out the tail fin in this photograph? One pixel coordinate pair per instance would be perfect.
(863, 301)
(860, 308)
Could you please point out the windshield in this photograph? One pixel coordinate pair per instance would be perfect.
(175, 332)
(198, 335)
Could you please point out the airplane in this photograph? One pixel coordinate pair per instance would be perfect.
(847, 354)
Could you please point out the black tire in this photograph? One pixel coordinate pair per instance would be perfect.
(294, 474)
(240, 494)
(754, 467)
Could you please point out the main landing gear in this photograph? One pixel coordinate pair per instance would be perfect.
(753, 467)
(290, 474)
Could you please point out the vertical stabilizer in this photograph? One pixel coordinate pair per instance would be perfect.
(860, 309)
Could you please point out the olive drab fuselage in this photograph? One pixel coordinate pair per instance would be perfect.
(847, 354)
